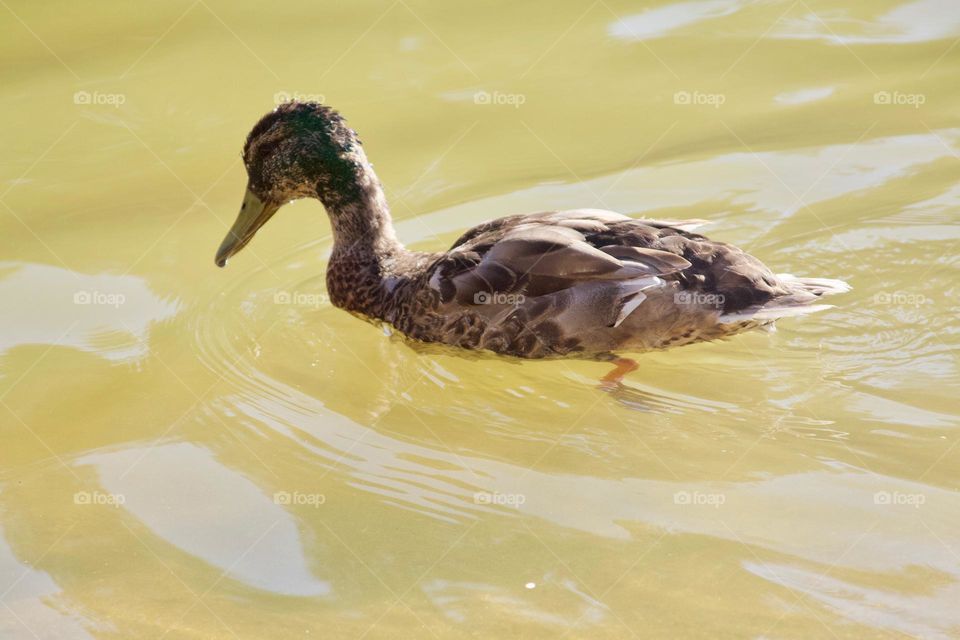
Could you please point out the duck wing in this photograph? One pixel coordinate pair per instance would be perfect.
(540, 254)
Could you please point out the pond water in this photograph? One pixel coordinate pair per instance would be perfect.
(190, 452)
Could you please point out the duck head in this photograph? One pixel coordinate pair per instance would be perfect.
(299, 150)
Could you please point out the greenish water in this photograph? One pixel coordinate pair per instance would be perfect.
(188, 452)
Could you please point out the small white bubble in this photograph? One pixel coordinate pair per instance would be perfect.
(531, 585)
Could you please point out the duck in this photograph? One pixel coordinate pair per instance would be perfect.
(579, 283)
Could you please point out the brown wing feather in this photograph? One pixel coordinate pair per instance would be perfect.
(544, 253)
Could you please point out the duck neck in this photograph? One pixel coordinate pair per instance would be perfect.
(358, 209)
(365, 247)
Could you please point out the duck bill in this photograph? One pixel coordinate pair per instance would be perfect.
(254, 213)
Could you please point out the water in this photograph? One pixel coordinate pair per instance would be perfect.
(199, 453)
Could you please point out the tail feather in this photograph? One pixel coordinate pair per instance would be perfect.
(816, 286)
(804, 292)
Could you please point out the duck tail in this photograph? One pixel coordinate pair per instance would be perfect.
(803, 296)
(816, 286)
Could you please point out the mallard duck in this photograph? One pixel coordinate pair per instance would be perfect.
(584, 283)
